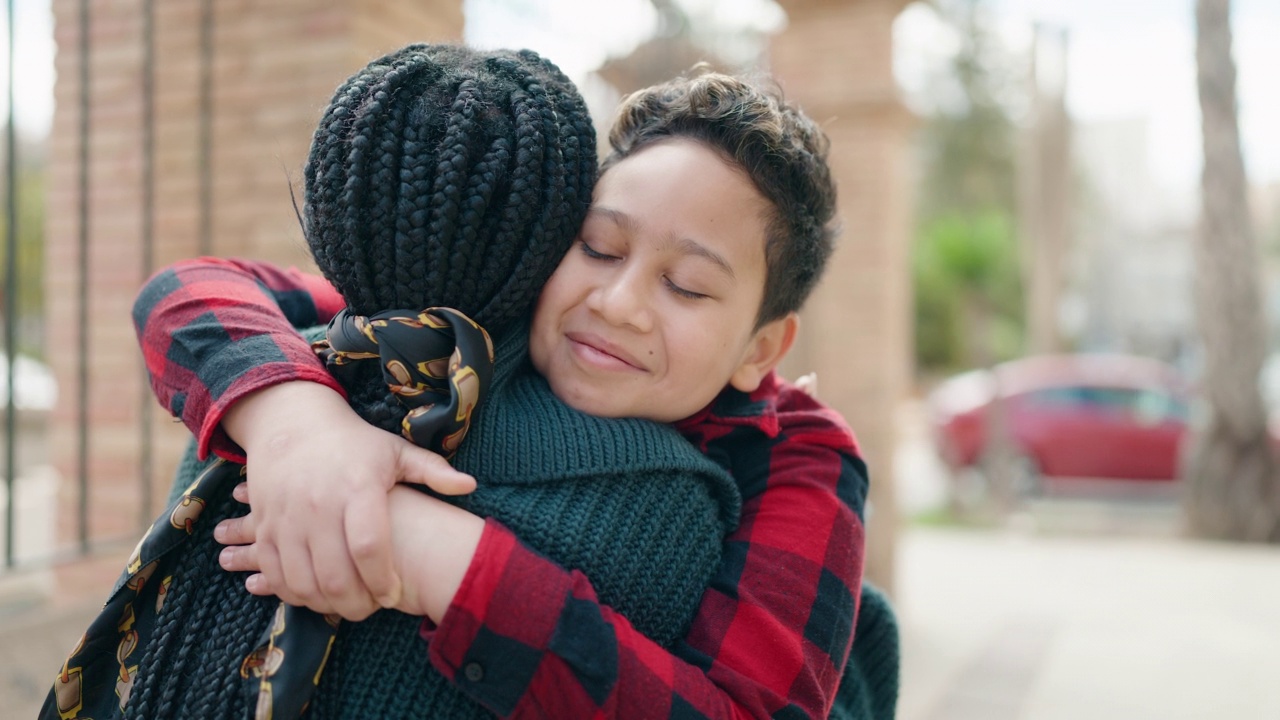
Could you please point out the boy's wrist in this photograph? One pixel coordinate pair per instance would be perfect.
(272, 414)
(435, 543)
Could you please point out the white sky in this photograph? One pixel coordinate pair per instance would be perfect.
(1136, 59)
(33, 52)
(1129, 58)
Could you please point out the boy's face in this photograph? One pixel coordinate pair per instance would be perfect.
(652, 312)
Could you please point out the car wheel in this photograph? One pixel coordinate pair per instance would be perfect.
(970, 490)
(1012, 477)
(1026, 479)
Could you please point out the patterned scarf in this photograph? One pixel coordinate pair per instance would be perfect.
(438, 363)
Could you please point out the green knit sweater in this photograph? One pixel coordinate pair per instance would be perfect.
(628, 502)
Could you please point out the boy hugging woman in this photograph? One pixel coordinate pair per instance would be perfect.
(642, 520)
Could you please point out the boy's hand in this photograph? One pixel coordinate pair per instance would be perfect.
(319, 477)
(434, 545)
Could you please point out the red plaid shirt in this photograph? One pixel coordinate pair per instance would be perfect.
(524, 636)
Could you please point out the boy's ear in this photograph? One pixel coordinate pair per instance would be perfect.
(768, 346)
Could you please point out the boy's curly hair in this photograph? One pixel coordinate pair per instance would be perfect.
(779, 147)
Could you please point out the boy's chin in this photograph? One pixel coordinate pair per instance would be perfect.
(602, 403)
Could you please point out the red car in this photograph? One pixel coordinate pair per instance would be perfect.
(1068, 416)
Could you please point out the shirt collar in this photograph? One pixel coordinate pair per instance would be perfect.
(734, 408)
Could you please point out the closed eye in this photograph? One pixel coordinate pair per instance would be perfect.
(593, 254)
(689, 294)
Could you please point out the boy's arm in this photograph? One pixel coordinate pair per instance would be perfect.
(222, 353)
(214, 330)
(208, 328)
(525, 637)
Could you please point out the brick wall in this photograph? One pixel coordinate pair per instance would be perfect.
(275, 64)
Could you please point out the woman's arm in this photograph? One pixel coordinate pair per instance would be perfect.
(525, 637)
(773, 631)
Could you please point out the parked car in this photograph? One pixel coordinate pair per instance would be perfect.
(1067, 416)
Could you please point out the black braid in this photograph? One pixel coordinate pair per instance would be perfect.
(533, 153)
(443, 175)
(326, 173)
(209, 623)
(382, 246)
(478, 194)
(447, 189)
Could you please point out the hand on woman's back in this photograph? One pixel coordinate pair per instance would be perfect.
(319, 478)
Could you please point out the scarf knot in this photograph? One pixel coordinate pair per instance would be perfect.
(437, 362)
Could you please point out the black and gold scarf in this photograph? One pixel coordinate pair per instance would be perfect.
(438, 363)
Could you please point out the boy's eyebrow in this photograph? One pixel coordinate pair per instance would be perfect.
(687, 246)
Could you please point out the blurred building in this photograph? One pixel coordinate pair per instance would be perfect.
(1132, 271)
(1265, 203)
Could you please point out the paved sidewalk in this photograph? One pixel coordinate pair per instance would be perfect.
(997, 625)
(35, 636)
(1000, 625)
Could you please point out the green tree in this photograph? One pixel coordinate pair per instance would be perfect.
(30, 305)
(968, 292)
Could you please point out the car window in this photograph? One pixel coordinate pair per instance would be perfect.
(1155, 407)
(1146, 406)
(1086, 397)
(1060, 397)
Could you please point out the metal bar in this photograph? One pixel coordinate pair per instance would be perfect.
(145, 468)
(10, 311)
(82, 347)
(206, 127)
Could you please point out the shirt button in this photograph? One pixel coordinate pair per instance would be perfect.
(473, 672)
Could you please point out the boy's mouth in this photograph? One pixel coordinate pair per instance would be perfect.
(598, 352)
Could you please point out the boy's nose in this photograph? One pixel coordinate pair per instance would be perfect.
(622, 302)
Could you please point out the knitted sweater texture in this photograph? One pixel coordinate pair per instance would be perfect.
(628, 502)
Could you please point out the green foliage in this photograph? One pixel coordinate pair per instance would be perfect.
(966, 270)
(968, 291)
(30, 244)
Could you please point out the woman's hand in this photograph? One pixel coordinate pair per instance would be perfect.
(433, 545)
(319, 477)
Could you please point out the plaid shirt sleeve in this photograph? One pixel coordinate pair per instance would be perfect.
(526, 638)
(213, 330)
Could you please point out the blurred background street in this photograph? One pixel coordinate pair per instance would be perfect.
(1010, 625)
(1090, 604)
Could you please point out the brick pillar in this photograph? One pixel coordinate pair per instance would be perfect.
(275, 65)
(835, 59)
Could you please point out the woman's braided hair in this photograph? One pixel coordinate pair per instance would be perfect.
(443, 175)
(438, 176)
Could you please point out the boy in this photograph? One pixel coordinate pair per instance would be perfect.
(673, 292)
